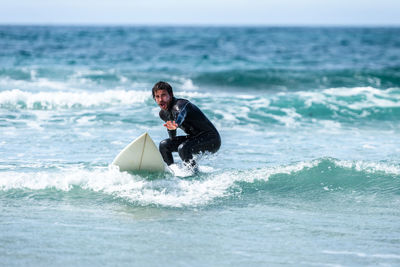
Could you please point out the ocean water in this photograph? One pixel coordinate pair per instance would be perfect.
(308, 173)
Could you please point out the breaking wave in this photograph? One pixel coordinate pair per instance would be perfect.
(313, 178)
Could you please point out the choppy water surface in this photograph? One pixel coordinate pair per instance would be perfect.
(308, 172)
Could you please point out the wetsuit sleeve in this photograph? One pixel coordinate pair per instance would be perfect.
(171, 133)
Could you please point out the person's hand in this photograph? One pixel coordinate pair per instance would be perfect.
(171, 125)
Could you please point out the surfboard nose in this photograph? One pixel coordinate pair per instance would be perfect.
(140, 155)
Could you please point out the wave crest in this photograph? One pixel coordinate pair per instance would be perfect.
(312, 178)
(17, 99)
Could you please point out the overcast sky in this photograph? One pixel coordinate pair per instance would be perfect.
(201, 12)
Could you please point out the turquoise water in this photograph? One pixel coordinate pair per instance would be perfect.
(308, 172)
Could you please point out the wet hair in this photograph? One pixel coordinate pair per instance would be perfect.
(162, 86)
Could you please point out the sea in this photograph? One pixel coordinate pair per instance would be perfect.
(308, 173)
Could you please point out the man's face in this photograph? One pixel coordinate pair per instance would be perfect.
(162, 98)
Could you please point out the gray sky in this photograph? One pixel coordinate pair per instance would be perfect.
(201, 12)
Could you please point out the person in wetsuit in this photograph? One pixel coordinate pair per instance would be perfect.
(201, 136)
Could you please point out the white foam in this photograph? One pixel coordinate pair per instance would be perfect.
(173, 192)
(227, 117)
(166, 191)
(369, 97)
(86, 120)
(264, 174)
(63, 99)
(291, 117)
(344, 91)
(189, 94)
(83, 76)
(180, 171)
(363, 98)
(370, 167)
(186, 83)
(34, 83)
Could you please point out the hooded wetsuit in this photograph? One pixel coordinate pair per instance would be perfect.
(201, 135)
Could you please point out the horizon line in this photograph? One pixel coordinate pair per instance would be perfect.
(278, 25)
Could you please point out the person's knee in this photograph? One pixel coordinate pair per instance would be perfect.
(184, 152)
(164, 145)
(217, 145)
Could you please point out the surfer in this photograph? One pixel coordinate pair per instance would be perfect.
(201, 135)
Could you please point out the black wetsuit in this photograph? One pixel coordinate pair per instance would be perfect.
(201, 135)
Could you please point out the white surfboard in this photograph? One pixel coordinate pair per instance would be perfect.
(140, 155)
